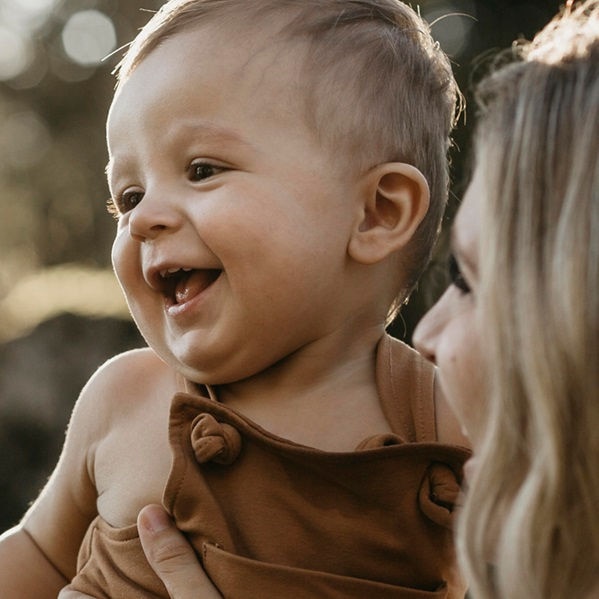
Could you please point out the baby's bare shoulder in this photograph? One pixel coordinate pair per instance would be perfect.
(119, 401)
(127, 382)
(134, 368)
(134, 390)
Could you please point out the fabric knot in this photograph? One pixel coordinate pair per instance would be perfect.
(439, 494)
(214, 441)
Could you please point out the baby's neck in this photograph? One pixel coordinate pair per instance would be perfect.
(324, 397)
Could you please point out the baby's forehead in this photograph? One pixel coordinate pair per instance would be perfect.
(267, 70)
(260, 37)
(256, 55)
(182, 84)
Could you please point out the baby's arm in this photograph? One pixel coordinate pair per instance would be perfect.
(24, 569)
(38, 556)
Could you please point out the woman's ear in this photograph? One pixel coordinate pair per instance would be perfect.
(395, 200)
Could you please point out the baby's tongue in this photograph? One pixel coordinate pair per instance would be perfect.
(192, 285)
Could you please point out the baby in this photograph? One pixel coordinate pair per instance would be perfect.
(278, 172)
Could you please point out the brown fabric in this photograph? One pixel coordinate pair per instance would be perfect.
(406, 387)
(112, 565)
(271, 518)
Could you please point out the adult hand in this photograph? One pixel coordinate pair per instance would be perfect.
(172, 557)
(68, 593)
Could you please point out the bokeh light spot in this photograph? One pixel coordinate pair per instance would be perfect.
(451, 24)
(16, 54)
(88, 37)
(26, 16)
(28, 12)
(35, 6)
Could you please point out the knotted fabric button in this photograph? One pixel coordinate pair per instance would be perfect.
(440, 494)
(214, 441)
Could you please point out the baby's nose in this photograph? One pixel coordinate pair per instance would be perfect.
(152, 217)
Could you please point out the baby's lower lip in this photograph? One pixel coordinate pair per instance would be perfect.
(175, 310)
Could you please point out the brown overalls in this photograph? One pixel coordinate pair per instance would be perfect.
(274, 519)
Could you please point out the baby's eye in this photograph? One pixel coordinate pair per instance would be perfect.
(125, 202)
(455, 275)
(200, 170)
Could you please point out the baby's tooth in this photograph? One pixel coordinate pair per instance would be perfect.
(172, 270)
(169, 271)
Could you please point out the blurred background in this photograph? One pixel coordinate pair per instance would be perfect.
(61, 312)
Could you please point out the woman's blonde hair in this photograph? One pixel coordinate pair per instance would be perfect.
(530, 526)
(375, 57)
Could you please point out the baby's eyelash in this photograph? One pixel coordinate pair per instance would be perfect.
(112, 209)
(199, 170)
(455, 275)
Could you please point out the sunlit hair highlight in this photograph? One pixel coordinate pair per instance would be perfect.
(376, 57)
(530, 526)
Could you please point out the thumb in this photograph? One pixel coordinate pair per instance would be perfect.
(172, 557)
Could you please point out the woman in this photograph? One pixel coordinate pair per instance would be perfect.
(525, 295)
(516, 336)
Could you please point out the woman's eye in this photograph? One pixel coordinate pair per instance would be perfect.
(125, 202)
(455, 275)
(198, 171)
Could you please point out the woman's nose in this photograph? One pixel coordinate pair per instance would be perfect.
(152, 217)
(426, 334)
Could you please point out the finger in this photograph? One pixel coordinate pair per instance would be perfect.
(68, 593)
(172, 557)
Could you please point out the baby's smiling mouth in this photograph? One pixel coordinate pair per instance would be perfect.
(181, 285)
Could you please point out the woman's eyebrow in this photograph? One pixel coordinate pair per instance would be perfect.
(456, 248)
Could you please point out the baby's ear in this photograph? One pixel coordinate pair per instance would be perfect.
(395, 201)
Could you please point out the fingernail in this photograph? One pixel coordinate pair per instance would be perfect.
(154, 519)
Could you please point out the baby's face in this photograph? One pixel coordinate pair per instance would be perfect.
(232, 237)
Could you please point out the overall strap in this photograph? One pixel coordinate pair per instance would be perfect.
(406, 383)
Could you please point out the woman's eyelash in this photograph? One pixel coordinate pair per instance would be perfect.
(455, 275)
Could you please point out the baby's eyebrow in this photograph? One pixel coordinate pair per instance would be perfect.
(204, 130)
(211, 131)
